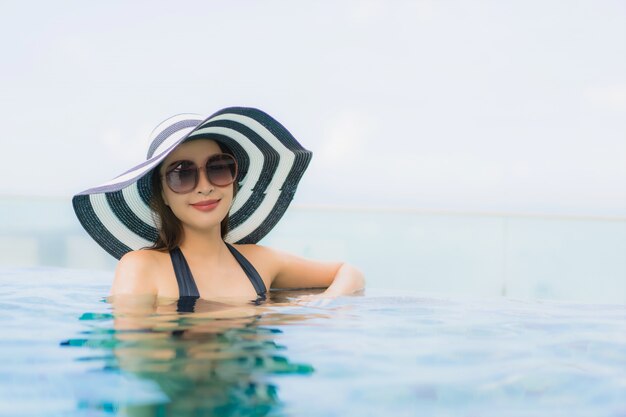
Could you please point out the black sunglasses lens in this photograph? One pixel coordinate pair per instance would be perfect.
(183, 178)
(221, 170)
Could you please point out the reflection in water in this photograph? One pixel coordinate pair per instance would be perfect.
(214, 361)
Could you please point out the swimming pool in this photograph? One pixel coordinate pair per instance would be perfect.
(386, 353)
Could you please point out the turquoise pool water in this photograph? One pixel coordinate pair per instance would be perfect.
(386, 353)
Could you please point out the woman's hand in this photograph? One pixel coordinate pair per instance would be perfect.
(293, 272)
(347, 280)
(315, 300)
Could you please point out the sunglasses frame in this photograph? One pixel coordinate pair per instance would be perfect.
(201, 167)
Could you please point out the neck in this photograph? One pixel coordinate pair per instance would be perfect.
(207, 244)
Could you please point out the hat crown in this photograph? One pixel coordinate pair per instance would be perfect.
(170, 131)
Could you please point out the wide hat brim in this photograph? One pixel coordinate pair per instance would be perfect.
(117, 214)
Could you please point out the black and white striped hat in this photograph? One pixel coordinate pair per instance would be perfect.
(271, 162)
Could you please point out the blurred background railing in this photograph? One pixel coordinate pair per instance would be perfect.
(474, 254)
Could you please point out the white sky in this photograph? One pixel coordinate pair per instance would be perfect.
(516, 106)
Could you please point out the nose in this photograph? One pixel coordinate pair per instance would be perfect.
(204, 185)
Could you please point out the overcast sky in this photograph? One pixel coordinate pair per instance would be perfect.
(498, 106)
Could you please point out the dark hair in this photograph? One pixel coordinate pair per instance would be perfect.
(171, 229)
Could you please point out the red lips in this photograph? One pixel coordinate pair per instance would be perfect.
(206, 205)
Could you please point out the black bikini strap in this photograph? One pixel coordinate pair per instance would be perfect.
(186, 283)
(188, 291)
(252, 273)
(186, 304)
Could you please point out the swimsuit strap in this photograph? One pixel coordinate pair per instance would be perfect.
(252, 273)
(188, 291)
(187, 286)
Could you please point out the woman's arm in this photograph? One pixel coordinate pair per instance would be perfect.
(347, 280)
(133, 293)
(295, 272)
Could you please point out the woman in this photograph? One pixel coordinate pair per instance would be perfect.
(185, 223)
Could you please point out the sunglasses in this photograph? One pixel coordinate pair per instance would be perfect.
(183, 176)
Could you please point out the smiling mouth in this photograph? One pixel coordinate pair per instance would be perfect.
(205, 205)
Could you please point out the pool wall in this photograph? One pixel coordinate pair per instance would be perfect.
(474, 254)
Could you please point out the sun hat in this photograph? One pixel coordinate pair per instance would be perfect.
(117, 214)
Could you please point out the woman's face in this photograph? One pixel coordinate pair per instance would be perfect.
(205, 206)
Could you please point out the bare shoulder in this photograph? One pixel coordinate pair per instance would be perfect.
(135, 272)
(139, 260)
(267, 261)
(258, 254)
(255, 250)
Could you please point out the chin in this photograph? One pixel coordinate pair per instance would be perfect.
(202, 226)
(206, 221)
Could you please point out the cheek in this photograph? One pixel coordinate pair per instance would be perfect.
(230, 195)
(170, 198)
(176, 202)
